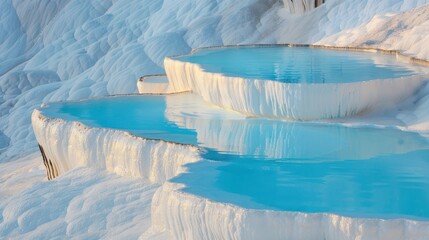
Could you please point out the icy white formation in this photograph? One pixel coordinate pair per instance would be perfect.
(47, 57)
(71, 144)
(302, 6)
(407, 32)
(84, 203)
(186, 216)
(290, 101)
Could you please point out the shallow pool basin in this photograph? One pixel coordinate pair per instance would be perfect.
(300, 83)
(267, 164)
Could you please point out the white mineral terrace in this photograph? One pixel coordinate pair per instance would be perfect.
(296, 101)
(69, 144)
(179, 214)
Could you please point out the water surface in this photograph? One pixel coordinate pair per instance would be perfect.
(301, 64)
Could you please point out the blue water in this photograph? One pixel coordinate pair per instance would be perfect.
(271, 164)
(141, 116)
(300, 64)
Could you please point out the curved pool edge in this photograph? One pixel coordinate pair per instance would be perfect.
(291, 101)
(187, 216)
(398, 53)
(69, 144)
(182, 215)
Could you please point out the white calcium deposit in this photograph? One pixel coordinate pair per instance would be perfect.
(71, 144)
(290, 101)
(68, 50)
(185, 216)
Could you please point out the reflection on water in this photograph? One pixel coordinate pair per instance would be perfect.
(294, 141)
(272, 164)
(301, 64)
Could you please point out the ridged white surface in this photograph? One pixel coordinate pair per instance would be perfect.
(186, 216)
(290, 101)
(72, 144)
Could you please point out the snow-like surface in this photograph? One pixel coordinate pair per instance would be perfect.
(84, 203)
(68, 50)
(407, 32)
(65, 50)
(333, 17)
(291, 101)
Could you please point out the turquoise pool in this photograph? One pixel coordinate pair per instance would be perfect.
(271, 164)
(300, 64)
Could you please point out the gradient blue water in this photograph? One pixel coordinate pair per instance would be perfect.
(141, 116)
(270, 164)
(300, 64)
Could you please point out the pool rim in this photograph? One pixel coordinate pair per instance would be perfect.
(398, 53)
(294, 101)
